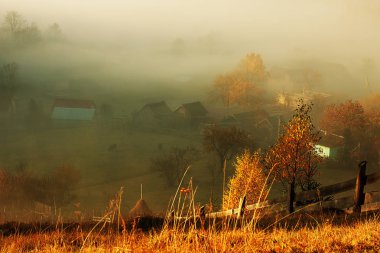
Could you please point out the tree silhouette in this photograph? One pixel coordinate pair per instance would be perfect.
(173, 164)
(243, 85)
(225, 142)
(348, 115)
(14, 22)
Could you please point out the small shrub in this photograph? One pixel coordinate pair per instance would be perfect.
(249, 180)
(172, 164)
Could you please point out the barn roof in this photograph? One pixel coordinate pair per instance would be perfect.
(158, 108)
(73, 103)
(195, 109)
(331, 140)
(255, 116)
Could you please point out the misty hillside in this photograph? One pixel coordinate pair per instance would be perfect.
(123, 94)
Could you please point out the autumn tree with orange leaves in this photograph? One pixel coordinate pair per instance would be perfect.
(371, 106)
(249, 180)
(294, 156)
(243, 85)
(349, 119)
(347, 116)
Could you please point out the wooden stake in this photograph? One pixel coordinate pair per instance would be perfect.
(359, 190)
(241, 207)
(224, 178)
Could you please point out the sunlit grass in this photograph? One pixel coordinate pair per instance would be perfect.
(318, 232)
(358, 237)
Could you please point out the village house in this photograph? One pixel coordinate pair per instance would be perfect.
(73, 110)
(192, 113)
(263, 124)
(153, 115)
(330, 145)
(308, 96)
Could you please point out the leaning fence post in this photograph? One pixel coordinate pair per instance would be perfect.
(202, 215)
(241, 207)
(202, 212)
(359, 189)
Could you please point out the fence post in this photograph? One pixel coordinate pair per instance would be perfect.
(241, 207)
(361, 179)
(291, 197)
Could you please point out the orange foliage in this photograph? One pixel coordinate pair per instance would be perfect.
(372, 108)
(294, 153)
(242, 85)
(346, 116)
(249, 180)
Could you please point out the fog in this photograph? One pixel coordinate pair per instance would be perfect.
(122, 38)
(126, 53)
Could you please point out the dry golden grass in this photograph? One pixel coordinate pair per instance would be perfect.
(299, 232)
(363, 236)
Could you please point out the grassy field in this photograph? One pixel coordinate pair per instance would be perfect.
(104, 172)
(86, 148)
(360, 235)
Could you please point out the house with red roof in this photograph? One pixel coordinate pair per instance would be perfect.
(73, 109)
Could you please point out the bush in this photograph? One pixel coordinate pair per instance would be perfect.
(173, 164)
(24, 187)
(249, 180)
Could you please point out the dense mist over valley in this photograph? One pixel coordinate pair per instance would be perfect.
(96, 95)
(176, 42)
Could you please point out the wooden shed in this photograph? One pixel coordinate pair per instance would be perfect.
(153, 115)
(193, 113)
(330, 145)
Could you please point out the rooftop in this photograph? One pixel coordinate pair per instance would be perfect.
(195, 108)
(158, 107)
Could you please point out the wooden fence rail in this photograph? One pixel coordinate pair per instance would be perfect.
(317, 195)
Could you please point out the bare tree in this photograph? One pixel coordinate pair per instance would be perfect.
(225, 142)
(14, 22)
(172, 165)
(20, 30)
(54, 32)
(8, 74)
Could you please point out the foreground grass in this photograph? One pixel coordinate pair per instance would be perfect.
(361, 236)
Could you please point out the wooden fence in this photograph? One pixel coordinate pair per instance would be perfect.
(357, 203)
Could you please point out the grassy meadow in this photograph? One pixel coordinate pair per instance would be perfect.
(320, 235)
(104, 171)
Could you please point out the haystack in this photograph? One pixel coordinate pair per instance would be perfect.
(141, 209)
